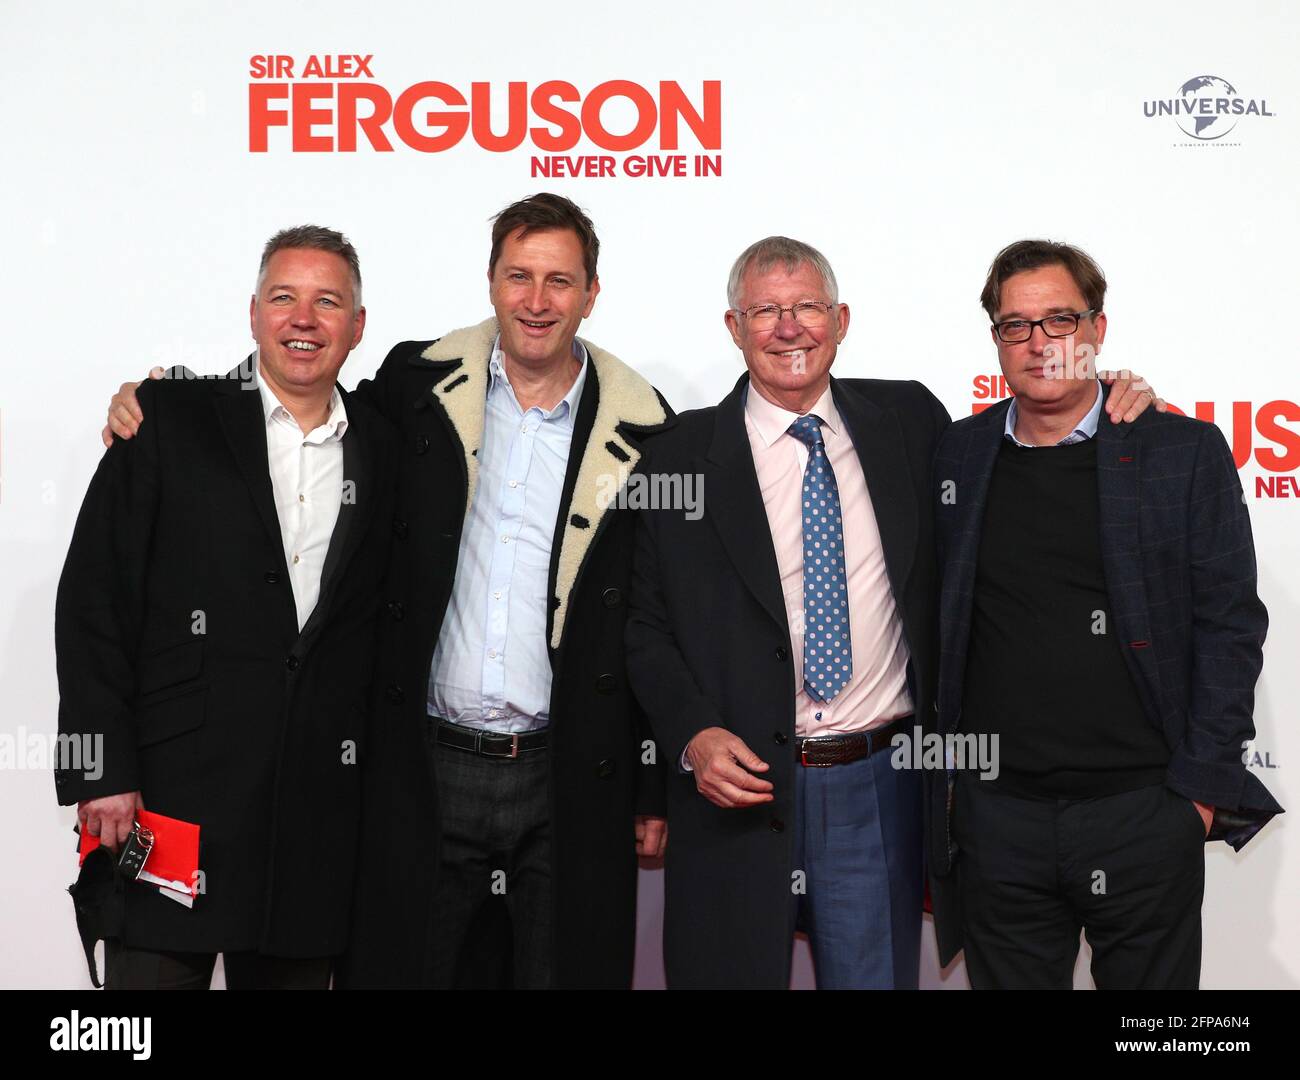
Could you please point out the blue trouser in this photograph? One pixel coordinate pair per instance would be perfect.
(859, 844)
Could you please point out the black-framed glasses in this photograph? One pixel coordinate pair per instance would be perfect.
(808, 313)
(1062, 324)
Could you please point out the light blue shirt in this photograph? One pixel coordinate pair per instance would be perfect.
(491, 668)
(1087, 428)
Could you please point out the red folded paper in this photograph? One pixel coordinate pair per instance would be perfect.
(175, 854)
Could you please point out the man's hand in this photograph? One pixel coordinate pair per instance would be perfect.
(110, 818)
(651, 836)
(724, 768)
(1129, 396)
(124, 415)
(1207, 814)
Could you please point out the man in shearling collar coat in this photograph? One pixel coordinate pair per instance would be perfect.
(507, 761)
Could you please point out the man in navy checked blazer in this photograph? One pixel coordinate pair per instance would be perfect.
(1101, 631)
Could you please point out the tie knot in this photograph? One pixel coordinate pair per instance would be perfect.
(808, 430)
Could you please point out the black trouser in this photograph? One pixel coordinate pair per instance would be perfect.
(496, 846)
(1128, 869)
(148, 969)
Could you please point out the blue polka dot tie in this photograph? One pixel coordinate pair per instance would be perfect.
(827, 650)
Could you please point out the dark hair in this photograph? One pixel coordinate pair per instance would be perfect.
(546, 211)
(1034, 255)
(317, 238)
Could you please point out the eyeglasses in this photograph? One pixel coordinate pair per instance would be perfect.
(1015, 331)
(807, 313)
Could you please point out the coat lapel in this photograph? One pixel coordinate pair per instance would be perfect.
(626, 407)
(970, 494)
(357, 499)
(878, 440)
(1118, 469)
(239, 410)
(460, 363)
(583, 421)
(733, 501)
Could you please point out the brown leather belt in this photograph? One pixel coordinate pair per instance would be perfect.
(841, 749)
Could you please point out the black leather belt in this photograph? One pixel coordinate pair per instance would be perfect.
(499, 744)
(841, 749)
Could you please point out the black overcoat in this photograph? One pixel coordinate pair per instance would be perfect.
(709, 646)
(177, 642)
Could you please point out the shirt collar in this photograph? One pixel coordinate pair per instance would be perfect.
(274, 411)
(1086, 429)
(567, 408)
(772, 421)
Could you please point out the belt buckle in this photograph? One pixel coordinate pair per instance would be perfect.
(484, 744)
(803, 757)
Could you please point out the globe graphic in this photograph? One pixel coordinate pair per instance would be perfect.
(1212, 125)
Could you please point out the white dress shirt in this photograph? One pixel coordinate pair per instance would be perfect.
(307, 479)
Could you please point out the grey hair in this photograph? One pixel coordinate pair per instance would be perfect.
(316, 238)
(790, 254)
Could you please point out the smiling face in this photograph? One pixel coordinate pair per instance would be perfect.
(1027, 365)
(303, 320)
(540, 293)
(789, 364)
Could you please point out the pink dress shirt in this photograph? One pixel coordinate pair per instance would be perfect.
(877, 692)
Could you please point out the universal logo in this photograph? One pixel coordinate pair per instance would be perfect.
(1206, 109)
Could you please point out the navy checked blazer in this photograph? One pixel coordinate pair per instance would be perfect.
(1179, 564)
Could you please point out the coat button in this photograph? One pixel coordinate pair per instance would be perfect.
(606, 683)
(396, 610)
(611, 597)
(780, 738)
(394, 694)
(782, 653)
(605, 769)
(777, 825)
(399, 528)
(421, 444)
(271, 577)
(291, 663)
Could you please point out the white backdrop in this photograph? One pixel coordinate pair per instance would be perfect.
(908, 141)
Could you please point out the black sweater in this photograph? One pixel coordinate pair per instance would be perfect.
(1044, 670)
